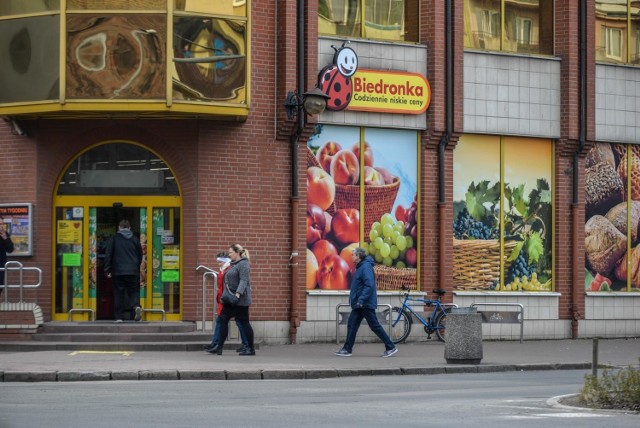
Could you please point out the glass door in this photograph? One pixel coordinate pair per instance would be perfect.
(83, 227)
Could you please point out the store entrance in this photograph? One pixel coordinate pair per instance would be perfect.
(107, 219)
(103, 185)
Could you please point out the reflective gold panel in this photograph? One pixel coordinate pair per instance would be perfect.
(20, 7)
(116, 4)
(217, 7)
(29, 59)
(209, 57)
(116, 56)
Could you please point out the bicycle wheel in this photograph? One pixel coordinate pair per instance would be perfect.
(441, 323)
(400, 325)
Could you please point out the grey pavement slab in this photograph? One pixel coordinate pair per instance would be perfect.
(309, 361)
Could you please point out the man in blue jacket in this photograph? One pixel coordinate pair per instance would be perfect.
(364, 302)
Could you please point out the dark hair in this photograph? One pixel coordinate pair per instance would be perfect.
(238, 249)
(360, 252)
(222, 254)
(124, 224)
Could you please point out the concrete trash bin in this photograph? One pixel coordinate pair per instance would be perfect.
(464, 336)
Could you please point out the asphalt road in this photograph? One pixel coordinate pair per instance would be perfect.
(511, 399)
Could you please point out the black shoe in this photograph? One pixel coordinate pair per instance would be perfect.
(208, 346)
(241, 349)
(247, 351)
(217, 349)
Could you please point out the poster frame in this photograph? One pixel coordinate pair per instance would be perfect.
(20, 211)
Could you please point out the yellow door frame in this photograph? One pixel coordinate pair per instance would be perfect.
(100, 201)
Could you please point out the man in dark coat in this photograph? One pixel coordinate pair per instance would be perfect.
(6, 246)
(122, 263)
(363, 299)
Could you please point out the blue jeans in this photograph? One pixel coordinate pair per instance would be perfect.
(215, 339)
(354, 324)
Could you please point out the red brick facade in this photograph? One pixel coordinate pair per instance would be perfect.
(235, 177)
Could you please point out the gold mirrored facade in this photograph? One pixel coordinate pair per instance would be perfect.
(136, 58)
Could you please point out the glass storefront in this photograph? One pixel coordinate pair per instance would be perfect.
(106, 184)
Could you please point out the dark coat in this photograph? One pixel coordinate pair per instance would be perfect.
(363, 286)
(6, 246)
(123, 255)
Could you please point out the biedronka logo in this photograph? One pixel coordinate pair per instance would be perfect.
(390, 92)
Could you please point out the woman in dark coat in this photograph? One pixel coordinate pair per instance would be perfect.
(6, 246)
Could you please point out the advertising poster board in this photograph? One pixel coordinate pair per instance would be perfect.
(17, 220)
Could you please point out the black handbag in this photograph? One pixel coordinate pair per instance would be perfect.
(228, 298)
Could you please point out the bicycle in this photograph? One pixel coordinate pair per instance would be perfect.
(403, 317)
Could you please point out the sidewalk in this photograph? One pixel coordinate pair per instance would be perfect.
(309, 361)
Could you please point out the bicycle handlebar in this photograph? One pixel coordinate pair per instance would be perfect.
(438, 292)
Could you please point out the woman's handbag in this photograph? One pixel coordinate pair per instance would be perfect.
(228, 298)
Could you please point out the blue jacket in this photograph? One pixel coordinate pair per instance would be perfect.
(363, 286)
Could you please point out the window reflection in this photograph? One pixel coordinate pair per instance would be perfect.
(116, 56)
(19, 7)
(209, 59)
(527, 26)
(29, 59)
(384, 19)
(217, 7)
(611, 31)
(116, 4)
(118, 168)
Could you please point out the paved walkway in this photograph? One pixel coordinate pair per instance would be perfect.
(309, 361)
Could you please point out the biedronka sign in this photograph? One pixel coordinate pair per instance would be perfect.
(389, 92)
(351, 88)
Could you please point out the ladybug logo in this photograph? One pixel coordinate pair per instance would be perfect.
(335, 79)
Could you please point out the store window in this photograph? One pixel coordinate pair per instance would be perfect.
(617, 31)
(116, 52)
(396, 20)
(368, 201)
(524, 27)
(118, 168)
(612, 197)
(502, 229)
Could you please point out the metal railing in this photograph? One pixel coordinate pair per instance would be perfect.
(208, 272)
(17, 266)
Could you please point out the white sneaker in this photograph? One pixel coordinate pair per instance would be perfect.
(389, 353)
(117, 321)
(343, 353)
(138, 315)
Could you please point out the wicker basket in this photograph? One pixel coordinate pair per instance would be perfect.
(476, 263)
(390, 278)
(378, 200)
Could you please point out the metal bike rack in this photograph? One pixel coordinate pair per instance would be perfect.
(339, 318)
(213, 273)
(17, 266)
(502, 317)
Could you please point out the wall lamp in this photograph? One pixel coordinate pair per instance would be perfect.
(311, 102)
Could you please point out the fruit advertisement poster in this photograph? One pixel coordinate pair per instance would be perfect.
(612, 208)
(502, 184)
(339, 220)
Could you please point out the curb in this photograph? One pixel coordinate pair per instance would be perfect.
(270, 374)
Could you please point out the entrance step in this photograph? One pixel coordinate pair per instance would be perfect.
(109, 336)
